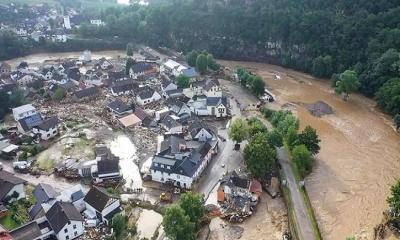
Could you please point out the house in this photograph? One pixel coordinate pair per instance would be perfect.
(179, 163)
(198, 105)
(170, 123)
(26, 124)
(170, 67)
(123, 87)
(85, 94)
(199, 131)
(180, 108)
(191, 73)
(147, 95)
(74, 195)
(142, 68)
(194, 89)
(104, 64)
(166, 86)
(73, 74)
(108, 169)
(31, 231)
(65, 220)
(5, 68)
(11, 187)
(47, 73)
(23, 111)
(217, 106)
(130, 121)
(44, 193)
(7, 149)
(119, 108)
(24, 79)
(212, 88)
(101, 205)
(47, 129)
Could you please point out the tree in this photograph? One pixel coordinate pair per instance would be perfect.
(256, 126)
(292, 138)
(118, 223)
(201, 63)
(129, 49)
(238, 130)
(191, 58)
(348, 83)
(177, 225)
(397, 121)
(310, 139)
(302, 159)
(275, 138)
(129, 63)
(182, 81)
(211, 63)
(17, 98)
(394, 199)
(257, 86)
(322, 66)
(193, 206)
(259, 157)
(59, 94)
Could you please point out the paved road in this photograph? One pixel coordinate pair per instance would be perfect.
(301, 214)
(226, 157)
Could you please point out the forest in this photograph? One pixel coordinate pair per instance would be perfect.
(314, 36)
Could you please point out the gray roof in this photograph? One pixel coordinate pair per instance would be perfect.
(7, 182)
(118, 106)
(108, 166)
(169, 122)
(140, 67)
(146, 92)
(124, 86)
(172, 144)
(30, 122)
(48, 124)
(98, 198)
(216, 101)
(28, 231)
(211, 83)
(60, 214)
(44, 192)
(86, 92)
(190, 72)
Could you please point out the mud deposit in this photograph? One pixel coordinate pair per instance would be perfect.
(359, 160)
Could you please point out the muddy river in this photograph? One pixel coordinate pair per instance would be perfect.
(360, 154)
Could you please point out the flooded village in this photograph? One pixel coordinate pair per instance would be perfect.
(94, 129)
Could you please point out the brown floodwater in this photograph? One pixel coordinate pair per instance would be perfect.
(360, 154)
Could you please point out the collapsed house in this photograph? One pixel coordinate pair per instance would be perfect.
(238, 196)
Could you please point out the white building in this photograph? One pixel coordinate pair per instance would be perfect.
(47, 129)
(11, 187)
(100, 205)
(147, 95)
(23, 111)
(65, 220)
(67, 22)
(172, 67)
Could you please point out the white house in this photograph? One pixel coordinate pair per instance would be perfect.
(47, 129)
(11, 187)
(23, 111)
(217, 106)
(65, 220)
(147, 95)
(104, 64)
(176, 162)
(194, 89)
(199, 131)
(172, 67)
(179, 108)
(212, 88)
(24, 79)
(47, 73)
(142, 68)
(101, 205)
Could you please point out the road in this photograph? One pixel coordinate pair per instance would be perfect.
(301, 214)
(226, 160)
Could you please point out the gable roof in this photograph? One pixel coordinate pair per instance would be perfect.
(98, 199)
(210, 83)
(146, 92)
(87, 92)
(7, 182)
(169, 122)
(30, 122)
(140, 113)
(118, 106)
(140, 67)
(60, 214)
(196, 126)
(28, 231)
(216, 101)
(124, 85)
(48, 124)
(116, 75)
(44, 192)
(107, 166)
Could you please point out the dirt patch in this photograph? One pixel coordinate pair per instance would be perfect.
(319, 108)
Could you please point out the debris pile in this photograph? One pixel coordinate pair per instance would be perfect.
(319, 109)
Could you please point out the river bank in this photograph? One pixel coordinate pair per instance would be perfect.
(359, 158)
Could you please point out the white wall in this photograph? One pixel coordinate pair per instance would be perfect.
(71, 232)
(111, 208)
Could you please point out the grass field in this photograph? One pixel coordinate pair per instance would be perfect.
(8, 222)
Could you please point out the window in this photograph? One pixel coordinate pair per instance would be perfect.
(66, 230)
(67, 237)
(55, 131)
(48, 135)
(168, 167)
(74, 226)
(75, 234)
(162, 165)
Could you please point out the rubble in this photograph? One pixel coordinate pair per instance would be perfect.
(319, 109)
